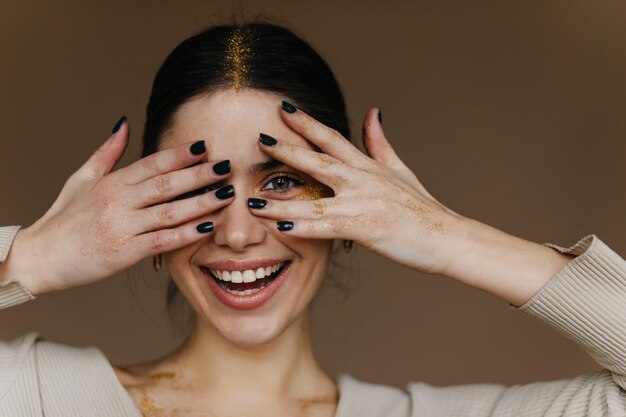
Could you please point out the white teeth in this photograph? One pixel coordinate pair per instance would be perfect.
(249, 276)
(236, 276)
(246, 292)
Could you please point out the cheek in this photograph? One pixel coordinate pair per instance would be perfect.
(179, 264)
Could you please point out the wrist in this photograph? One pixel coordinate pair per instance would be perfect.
(503, 265)
(19, 265)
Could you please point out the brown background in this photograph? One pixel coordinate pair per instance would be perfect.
(513, 113)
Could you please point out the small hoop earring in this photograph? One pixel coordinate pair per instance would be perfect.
(347, 245)
(156, 262)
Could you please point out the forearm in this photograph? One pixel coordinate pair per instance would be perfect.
(503, 265)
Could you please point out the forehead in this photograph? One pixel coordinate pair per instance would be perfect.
(230, 123)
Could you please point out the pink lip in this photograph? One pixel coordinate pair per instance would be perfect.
(246, 302)
(242, 265)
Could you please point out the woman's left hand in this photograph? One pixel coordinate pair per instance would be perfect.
(378, 202)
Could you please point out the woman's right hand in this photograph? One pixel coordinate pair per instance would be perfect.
(104, 222)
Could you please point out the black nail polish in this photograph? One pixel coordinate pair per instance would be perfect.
(288, 107)
(380, 116)
(225, 192)
(256, 203)
(284, 225)
(205, 227)
(198, 148)
(222, 168)
(267, 140)
(118, 124)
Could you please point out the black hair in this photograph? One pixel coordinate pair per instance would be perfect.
(253, 55)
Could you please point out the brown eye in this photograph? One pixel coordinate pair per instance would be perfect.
(282, 184)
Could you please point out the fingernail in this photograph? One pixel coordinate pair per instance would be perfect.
(267, 140)
(284, 225)
(198, 148)
(380, 116)
(225, 192)
(205, 227)
(222, 168)
(118, 124)
(256, 203)
(288, 107)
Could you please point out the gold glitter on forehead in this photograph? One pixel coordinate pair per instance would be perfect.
(237, 54)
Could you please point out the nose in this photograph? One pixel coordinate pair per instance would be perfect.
(238, 229)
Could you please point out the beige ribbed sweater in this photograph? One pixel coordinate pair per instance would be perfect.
(586, 301)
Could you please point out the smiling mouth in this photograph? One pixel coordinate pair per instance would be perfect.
(245, 282)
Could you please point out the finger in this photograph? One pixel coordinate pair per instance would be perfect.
(374, 141)
(328, 140)
(324, 168)
(326, 228)
(103, 160)
(301, 209)
(174, 184)
(171, 214)
(166, 240)
(162, 162)
(379, 149)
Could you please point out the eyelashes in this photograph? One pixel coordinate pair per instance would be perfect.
(282, 183)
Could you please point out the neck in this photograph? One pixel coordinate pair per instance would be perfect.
(283, 367)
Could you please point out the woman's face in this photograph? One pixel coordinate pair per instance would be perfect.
(230, 122)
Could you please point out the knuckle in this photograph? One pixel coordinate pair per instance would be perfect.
(162, 186)
(150, 164)
(165, 215)
(319, 208)
(334, 134)
(204, 202)
(182, 153)
(199, 173)
(163, 240)
(156, 242)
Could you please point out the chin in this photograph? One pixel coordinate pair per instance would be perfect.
(250, 331)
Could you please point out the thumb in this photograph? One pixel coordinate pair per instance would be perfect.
(379, 149)
(103, 160)
(375, 143)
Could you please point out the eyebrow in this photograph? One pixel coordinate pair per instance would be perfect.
(265, 166)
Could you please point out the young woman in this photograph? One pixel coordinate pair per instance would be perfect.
(247, 178)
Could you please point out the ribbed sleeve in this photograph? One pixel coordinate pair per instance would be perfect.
(7, 234)
(11, 292)
(586, 301)
(79, 382)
